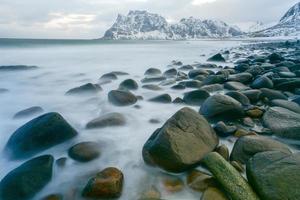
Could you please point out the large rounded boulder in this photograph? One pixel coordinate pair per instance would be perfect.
(274, 175)
(196, 97)
(39, 134)
(121, 98)
(181, 142)
(283, 122)
(28, 179)
(221, 107)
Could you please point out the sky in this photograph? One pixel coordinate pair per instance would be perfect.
(88, 19)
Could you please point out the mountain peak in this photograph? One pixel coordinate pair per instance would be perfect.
(292, 15)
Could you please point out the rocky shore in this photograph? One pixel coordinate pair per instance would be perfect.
(255, 106)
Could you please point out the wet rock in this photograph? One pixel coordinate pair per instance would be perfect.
(151, 87)
(235, 86)
(243, 99)
(218, 106)
(186, 67)
(178, 100)
(154, 121)
(152, 72)
(283, 122)
(121, 98)
(61, 162)
(119, 73)
(200, 181)
(214, 79)
(163, 98)
(223, 130)
(28, 112)
(16, 67)
(173, 184)
(213, 193)
(253, 95)
(107, 120)
(191, 84)
(170, 72)
(296, 100)
(3, 90)
(238, 166)
(106, 184)
(247, 146)
(213, 87)
(275, 58)
(228, 177)
(178, 87)
(275, 175)
(241, 77)
(196, 97)
(223, 151)
(128, 84)
(84, 151)
(28, 179)
(109, 77)
(286, 104)
(254, 112)
(53, 197)
(167, 82)
(88, 88)
(287, 74)
(240, 132)
(287, 84)
(262, 82)
(153, 79)
(216, 58)
(272, 94)
(194, 73)
(181, 142)
(39, 134)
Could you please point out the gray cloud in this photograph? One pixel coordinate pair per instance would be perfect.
(90, 18)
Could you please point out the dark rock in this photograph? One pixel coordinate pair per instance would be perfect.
(84, 151)
(151, 87)
(272, 94)
(223, 151)
(275, 175)
(287, 84)
(170, 72)
(153, 79)
(191, 84)
(53, 197)
(243, 99)
(223, 130)
(216, 58)
(296, 100)
(262, 82)
(106, 184)
(196, 97)
(275, 58)
(283, 122)
(128, 84)
(109, 76)
(253, 95)
(61, 162)
(28, 112)
(255, 70)
(241, 77)
(181, 142)
(247, 146)
(107, 120)
(228, 177)
(194, 73)
(39, 134)
(286, 104)
(152, 72)
(121, 98)
(167, 82)
(213, 87)
(214, 79)
(186, 67)
(154, 121)
(28, 179)
(3, 90)
(218, 106)
(163, 98)
(119, 73)
(235, 86)
(88, 88)
(16, 67)
(238, 166)
(178, 87)
(178, 100)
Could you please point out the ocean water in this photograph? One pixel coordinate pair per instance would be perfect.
(64, 64)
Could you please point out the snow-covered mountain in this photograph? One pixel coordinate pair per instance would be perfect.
(289, 25)
(145, 25)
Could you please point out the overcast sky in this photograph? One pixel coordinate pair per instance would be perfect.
(90, 18)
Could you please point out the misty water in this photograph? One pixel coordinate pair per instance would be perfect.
(68, 64)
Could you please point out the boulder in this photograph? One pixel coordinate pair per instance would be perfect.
(153, 79)
(214, 79)
(178, 87)
(194, 73)
(262, 82)
(121, 98)
(196, 97)
(231, 85)
(152, 72)
(286, 104)
(218, 106)
(107, 120)
(272, 94)
(84, 151)
(247, 146)
(216, 58)
(229, 178)
(39, 134)
(283, 122)
(128, 84)
(253, 95)
(163, 98)
(151, 87)
(223, 130)
(243, 99)
(181, 142)
(88, 88)
(213, 87)
(28, 112)
(28, 179)
(241, 77)
(16, 67)
(275, 58)
(275, 175)
(106, 184)
(191, 84)
(170, 72)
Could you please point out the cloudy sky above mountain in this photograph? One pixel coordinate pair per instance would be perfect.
(90, 18)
